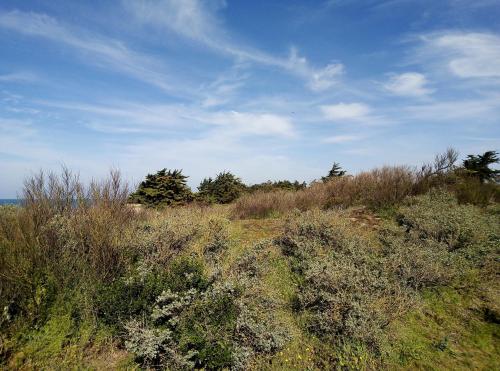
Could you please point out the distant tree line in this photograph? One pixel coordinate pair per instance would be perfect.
(169, 187)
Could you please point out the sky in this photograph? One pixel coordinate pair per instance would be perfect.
(267, 89)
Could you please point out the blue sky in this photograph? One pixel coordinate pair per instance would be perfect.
(266, 89)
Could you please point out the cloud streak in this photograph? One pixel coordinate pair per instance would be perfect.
(106, 52)
(464, 54)
(197, 21)
(126, 117)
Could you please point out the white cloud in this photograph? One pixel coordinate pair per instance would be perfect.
(254, 123)
(19, 77)
(466, 55)
(410, 84)
(198, 21)
(482, 109)
(336, 139)
(106, 52)
(346, 111)
(126, 117)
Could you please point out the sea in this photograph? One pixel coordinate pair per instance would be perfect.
(9, 201)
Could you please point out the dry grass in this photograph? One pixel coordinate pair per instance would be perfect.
(64, 232)
(381, 187)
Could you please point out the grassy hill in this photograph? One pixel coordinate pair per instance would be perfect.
(273, 281)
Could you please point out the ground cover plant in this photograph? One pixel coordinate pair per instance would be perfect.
(394, 268)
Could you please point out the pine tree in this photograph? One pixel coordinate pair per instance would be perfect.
(335, 171)
(165, 188)
(478, 165)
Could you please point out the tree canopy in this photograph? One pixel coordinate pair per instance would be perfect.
(335, 171)
(479, 166)
(166, 187)
(224, 189)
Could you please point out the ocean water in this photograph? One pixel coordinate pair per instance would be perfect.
(9, 201)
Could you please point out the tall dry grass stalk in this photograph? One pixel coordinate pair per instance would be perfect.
(376, 188)
(65, 231)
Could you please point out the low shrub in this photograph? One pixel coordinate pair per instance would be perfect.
(470, 190)
(159, 238)
(202, 326)
(416, 263)
(187, 273)
(438, 216)
(284, 185)
(218, 237)
(344, 292)
(125, 298)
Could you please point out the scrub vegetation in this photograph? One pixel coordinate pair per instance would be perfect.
(393, 268)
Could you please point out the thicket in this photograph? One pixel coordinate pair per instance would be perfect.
(178, 291)
(380, 188)
(284, 185)
(473, 182)
(149, 281)
(225, 188)
(353, 284)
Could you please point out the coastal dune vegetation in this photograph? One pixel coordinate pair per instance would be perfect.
(392, 268)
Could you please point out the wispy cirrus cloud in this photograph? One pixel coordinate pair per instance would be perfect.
(19, 77)
(198, 21)
(126, 117)
(463, 54)
(486, 108)
(103, 51)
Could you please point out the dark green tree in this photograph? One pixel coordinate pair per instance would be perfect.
(224, 189)
(335, 171)
(277, 185)
(165, 188)
(479, 166)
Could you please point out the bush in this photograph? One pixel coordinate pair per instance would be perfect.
(218, 235)
(186, 273)
(191, 327)
(64, 236)
(165, 188)
(344, 292)
(418, 264)
(225, 188)
(438, 216)
(378, 188)
(157, 239)
(284, 185)
(470, 190)
(202, 326)
(126, 298)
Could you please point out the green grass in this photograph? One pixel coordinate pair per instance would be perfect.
(449, 331)
(450, 328)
